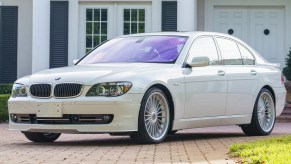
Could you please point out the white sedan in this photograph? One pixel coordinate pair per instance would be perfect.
(151, 85)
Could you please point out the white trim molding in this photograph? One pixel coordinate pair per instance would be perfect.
(156, 15)
(40, 35)
(73, 31)
(187, 15)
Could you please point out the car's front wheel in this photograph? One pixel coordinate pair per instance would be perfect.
(264, 115)
(154, 118)
(41, 137)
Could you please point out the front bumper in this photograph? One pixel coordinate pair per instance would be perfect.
(124, 108)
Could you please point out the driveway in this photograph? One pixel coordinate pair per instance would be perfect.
(204, 145)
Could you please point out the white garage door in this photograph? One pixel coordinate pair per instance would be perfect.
(261, 27)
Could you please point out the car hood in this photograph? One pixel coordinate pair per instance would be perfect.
(92, 73)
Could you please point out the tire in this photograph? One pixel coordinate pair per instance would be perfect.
(41, 137)
(154, 118)
(264, 115)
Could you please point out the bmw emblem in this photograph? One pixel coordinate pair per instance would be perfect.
(58, 78)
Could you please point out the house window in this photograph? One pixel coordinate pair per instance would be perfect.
(134, 21)
(96, 27)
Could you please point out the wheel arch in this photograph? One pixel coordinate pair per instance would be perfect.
(170, 99)
(272, 92)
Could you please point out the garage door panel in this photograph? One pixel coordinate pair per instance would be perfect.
(227, 18)
(257, 39)
(271, 46)
(273, 41)
(250, 23)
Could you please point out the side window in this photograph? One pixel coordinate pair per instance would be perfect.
(204, 46)
(229, 52)
(247, 56)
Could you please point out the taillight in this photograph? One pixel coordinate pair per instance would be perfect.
(282, 79)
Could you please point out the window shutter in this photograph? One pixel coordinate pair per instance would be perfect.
(8, 43)
(169, 16)
(59, 34)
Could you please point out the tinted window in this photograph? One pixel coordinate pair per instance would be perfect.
(144, 49)
(204, 46)
(229, 52)
(247, 56)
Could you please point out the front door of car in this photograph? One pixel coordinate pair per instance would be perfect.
(241, 76)
(206, 86)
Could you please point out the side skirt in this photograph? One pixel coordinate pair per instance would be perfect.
(212, 121)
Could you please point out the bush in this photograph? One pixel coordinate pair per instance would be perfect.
(4, 108)
(287, 69)
(5, 88)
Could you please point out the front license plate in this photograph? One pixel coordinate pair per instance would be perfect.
(49, 110)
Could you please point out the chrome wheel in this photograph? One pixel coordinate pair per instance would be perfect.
(156, 116)
(266, 111)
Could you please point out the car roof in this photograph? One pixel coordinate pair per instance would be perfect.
(186, 33)
(193, 34)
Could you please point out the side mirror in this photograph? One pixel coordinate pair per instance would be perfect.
(199, 61)
(75, 61)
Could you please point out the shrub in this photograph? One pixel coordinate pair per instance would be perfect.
(5, 88)
(287, 69)
(4, 108)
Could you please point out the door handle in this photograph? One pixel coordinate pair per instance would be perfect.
(220, 73)
(253, 72)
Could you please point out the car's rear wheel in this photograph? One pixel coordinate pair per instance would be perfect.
(41, 137)
(154, 118)
(264, 115)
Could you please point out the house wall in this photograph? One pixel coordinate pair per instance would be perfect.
(200, 14)
(33, 54)
(24, 47)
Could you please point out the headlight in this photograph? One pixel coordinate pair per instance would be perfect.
(111, 89)
(18, 90)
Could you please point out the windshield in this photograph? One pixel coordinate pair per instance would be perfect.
(143, 49)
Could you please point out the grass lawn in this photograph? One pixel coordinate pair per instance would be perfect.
(275, 150)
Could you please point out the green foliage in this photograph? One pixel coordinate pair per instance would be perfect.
(273, 150)
(287, 69)
(5, 88)
(4, 107)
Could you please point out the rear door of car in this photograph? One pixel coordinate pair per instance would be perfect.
(206, 87)
(242, 79)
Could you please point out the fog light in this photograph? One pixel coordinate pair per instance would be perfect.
(107, 118)
(13, 117)
(76, 118)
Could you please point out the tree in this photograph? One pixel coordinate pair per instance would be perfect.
(287, 69)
